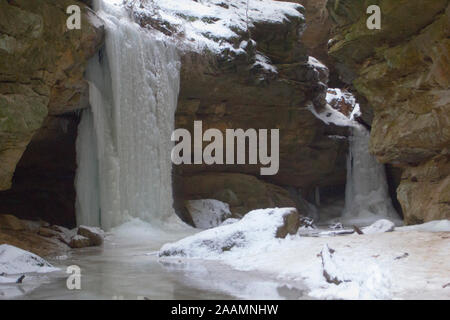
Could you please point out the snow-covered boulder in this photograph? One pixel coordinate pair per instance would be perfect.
(331, 271)
(379, 226)
(258, 227)
(208, 213)
(14, 260)
(94, 234)
(229, 221)
(78, 241)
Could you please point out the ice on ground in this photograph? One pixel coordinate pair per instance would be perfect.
(432, 226)
(137, 231)
(379, 226)
(256, 229)
(208, 213)
(17, 261)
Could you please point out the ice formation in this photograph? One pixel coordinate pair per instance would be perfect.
(124, 150)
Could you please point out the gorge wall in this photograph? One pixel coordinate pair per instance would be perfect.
(234, 91)
(401, 75)
(41, 85)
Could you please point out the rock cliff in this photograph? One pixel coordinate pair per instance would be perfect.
(402, 76)
(42, 66)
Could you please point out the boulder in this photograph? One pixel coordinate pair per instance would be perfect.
(379, 226)
(246, 192)
(208, 213)
(79, 241)
(94, 234)
(48, 232)
(251, 233)
(10, 222)
(291, 223)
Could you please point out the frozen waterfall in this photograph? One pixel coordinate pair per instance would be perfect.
(123, 146)
(366, 196)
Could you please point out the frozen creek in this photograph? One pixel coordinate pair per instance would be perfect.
(409, 263)
(130, 270)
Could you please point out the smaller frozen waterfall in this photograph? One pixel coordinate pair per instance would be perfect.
(366, 196)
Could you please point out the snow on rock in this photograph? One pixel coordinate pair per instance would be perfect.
(263, 62)
(94, 234)
(16, 261)
(78, 241)
(331, 272)
(229, 221)
(379, 226)
(341, 109)
(257, 228)
(211, 24)
(208, 213)
(347, 282)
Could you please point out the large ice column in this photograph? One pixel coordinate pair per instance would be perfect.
(134, 84)
(366, 196)
(86, 180)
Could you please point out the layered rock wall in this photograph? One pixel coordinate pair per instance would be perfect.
(402, 74)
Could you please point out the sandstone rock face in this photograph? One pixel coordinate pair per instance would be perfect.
(43, 183)
(41, 70)
(425, 191)
(403, 73)
(318, 27)
(231, 91)
(242, 192)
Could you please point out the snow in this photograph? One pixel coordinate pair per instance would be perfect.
(332, 116)
(208, 213)
(14, 261)
(155, 234)
(229, 221)
(432, 226)
(257, 228)
(316, 63)
(403, 265)
(379, 226)
(94, 230)
(264, 62)
(214, 24)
